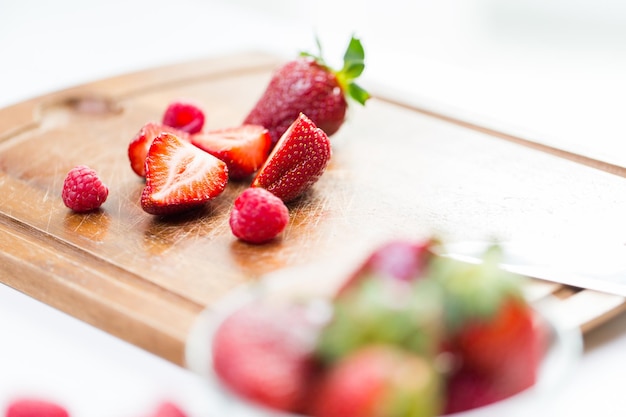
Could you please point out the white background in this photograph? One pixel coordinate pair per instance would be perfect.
(551, 69)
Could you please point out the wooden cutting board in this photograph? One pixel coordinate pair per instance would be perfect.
(395, 172)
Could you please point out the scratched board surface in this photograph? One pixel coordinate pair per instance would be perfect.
(395, 172)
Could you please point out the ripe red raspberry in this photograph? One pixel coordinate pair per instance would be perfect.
(29, 407)
(184, 116)
(168, 409)
(258, 216)
(82, 189)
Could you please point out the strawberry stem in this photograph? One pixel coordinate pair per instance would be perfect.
(353, 66)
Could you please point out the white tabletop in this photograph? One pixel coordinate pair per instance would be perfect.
(564, 81)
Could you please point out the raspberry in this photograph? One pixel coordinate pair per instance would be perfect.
(168, 409)
(184, 116)
(29, 407)
(258, 216)
(82, 189)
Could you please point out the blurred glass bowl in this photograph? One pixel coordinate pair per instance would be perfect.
(317, 280)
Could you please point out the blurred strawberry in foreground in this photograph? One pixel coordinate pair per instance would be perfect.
(297, 161)
(243, 148)
(398, 259)
(466, 390)
(264, 352)
(377, 311)
(410, 334)
(307, 85)
(386, 301)
(380, 381)
(180, 176)
(33, 407)
(491, 328)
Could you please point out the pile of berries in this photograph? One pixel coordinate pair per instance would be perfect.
(408, 334)
(282, 145)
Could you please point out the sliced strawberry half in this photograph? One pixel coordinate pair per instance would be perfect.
(180, 176)
(244, 148)
(297, 161)
(139, 145)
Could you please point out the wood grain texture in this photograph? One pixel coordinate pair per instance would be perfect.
(395, 172)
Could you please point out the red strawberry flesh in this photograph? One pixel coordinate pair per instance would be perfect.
(244, 148)
(139, 145)
(180, 176)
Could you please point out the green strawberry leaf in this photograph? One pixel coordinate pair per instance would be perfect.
(308, 54)
(358, 94)
(355, 54)
(353, 67)
(320, 54)
(353, 70)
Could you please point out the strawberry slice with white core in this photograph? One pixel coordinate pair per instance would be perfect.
(180, 176)
(244, 148)
(297, 161)
(140, 143)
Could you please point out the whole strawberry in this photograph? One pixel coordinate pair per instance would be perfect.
(83, 190)
(307, 85)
